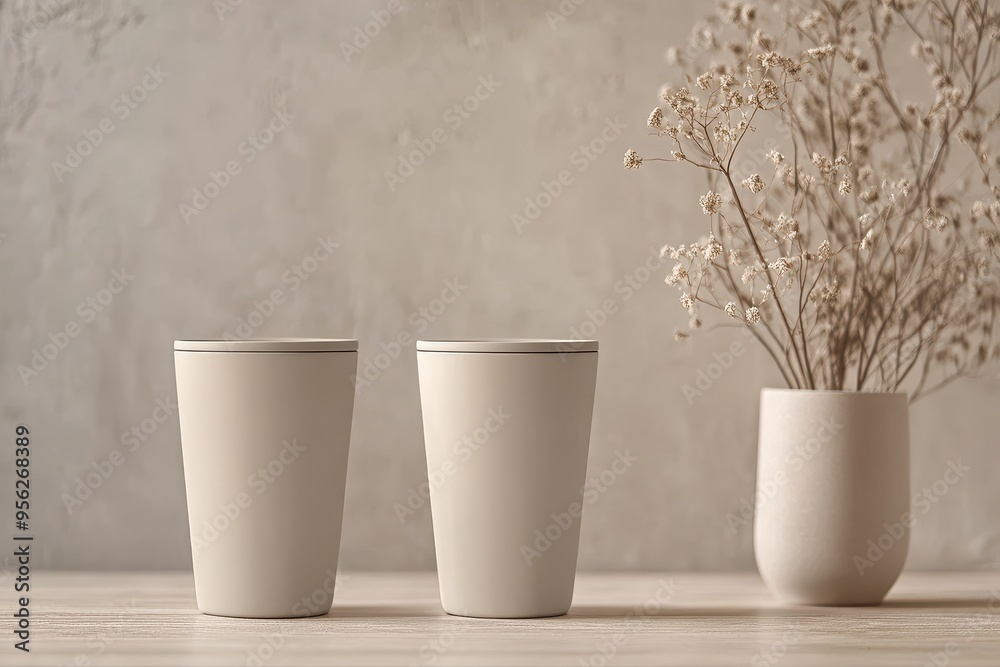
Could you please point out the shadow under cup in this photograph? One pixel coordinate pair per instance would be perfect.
(507, 433)
(265, 431)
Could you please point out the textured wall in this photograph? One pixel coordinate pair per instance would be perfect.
(547, 91)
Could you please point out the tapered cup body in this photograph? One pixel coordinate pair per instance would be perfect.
(507, 433)
(265, 432)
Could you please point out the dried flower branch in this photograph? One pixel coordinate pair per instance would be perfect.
(860, 261)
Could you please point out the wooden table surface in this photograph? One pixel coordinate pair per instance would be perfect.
(396, 619)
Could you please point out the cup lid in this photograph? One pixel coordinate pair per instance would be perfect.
(269, 345)
(509, 345)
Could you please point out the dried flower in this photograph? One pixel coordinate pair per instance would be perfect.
(993, 212)
(767, 91)
(712, 248)
(724, 134)
(679, 335)
(810, 21)
(828, 295)
(655, 119)
(786, 226)
(711, 202)
(781, 266)
(762, 40)
(822, 163)
(772, 60)
(870, 195)
(678, 274)
(754, 183)
(632, 159)
(820, 53)
(935, 221)
(932, 298)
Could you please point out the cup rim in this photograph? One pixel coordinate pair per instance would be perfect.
(269, 345)
(509, 345)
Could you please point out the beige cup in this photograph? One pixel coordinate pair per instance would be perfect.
(507, 433)
(265, 430)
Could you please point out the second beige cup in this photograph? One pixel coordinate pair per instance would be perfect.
(507, 433)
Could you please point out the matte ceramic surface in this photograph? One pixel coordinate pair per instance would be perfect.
(265, 430)
(832, 509)
(507, 435)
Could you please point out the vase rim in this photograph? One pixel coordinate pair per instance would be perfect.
(830, 392)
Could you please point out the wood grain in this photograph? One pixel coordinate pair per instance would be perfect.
(396, 619)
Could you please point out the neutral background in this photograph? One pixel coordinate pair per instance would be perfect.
(63, 234)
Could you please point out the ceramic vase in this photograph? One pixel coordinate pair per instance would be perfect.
(832, 508)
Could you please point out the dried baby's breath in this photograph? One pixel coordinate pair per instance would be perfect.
(711, 202)
(820, 53)
(870, 258)
(632, 159)
(754, 183)
(678, 274)
(712, 249)
(655, 119)
(781, 266)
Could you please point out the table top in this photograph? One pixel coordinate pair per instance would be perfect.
(396, 619)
